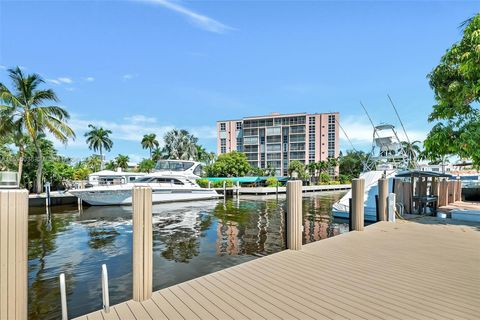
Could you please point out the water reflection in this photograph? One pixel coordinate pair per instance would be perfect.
(189, 240)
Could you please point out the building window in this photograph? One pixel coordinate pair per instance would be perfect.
(239, 144)
(239, 125)
(311, 120)
(223, 126)
(223, 145)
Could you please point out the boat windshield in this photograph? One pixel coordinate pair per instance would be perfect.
(163, 165)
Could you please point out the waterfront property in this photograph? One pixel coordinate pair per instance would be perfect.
(418, 269)
(276, 139)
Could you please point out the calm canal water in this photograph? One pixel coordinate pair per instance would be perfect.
(191, 239)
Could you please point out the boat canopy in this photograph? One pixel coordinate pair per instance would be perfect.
(419, 173)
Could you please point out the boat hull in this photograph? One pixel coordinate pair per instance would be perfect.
(124, 197)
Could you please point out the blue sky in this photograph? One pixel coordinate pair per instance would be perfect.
(137, 67)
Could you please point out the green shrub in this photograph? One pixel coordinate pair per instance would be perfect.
(344, 179)
(271, 182)
(324, 178)
(219, 184)
(202, 183)
(334, 182)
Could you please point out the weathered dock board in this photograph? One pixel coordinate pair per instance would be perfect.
(406, 270)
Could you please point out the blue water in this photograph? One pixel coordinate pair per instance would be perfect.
(190, 239)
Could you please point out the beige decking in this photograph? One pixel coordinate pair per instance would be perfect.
(416, 269)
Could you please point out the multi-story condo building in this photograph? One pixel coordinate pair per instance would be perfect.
(276, 139)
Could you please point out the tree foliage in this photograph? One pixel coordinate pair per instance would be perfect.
(352, 164)
(232, 164)
(456, 84)
(146, 165)
(297, 170)
(26, 111)
(150, 142)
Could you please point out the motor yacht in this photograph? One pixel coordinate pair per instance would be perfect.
(171, 180)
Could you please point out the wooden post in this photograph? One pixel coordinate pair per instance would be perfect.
(294, 215)
(458, 190)
(382, 199)
(451, 191)
(142, 243)
(13, 254)
(209, 184)
(443, 193)
(224, 189)
(358, 189)
(238, 189)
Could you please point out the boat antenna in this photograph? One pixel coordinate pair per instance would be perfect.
(365, 109)
(414, 162)
(399, 119)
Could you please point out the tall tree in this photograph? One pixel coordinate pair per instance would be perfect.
(456, 84)
(24, 112)
(150, 141)
(412, 150)
(98, 139)
(180, 145)
(122, 161)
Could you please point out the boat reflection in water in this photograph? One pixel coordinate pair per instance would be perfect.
(190, 239)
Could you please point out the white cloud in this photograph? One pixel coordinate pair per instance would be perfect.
(2, 66)
(198, 19)
(54, 81)
(89, 79)
(65, 80)
(133, 128)
(140, 118)
(70, 89)
(128, 76)
(60, 80)
(360, 132)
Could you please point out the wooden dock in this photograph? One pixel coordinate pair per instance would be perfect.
(420, 269)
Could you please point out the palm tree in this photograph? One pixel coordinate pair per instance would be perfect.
(23, 113)
(412, 150)
(122, 161)
(179, 144)
(158, 154)
(150, 141)
(98, 139)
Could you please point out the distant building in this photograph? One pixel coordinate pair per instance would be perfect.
(276, 139)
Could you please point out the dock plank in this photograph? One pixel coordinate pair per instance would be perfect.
(404, 270)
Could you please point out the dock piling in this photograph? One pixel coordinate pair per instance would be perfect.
(209, 184)
(358, 188)
(382, 199)
(238, 189)
(294, 215)
(142, 243)
(13, 254)
(105, 293)
(63, 296)
(224, 189)
(392, 201)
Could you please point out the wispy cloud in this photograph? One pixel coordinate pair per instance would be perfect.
(2, 66)
(60, 80)
(200, 20)
(134, 127)
(89, 79)
(128, 76)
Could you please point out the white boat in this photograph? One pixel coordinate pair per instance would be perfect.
(387, 159)
(172, 180)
